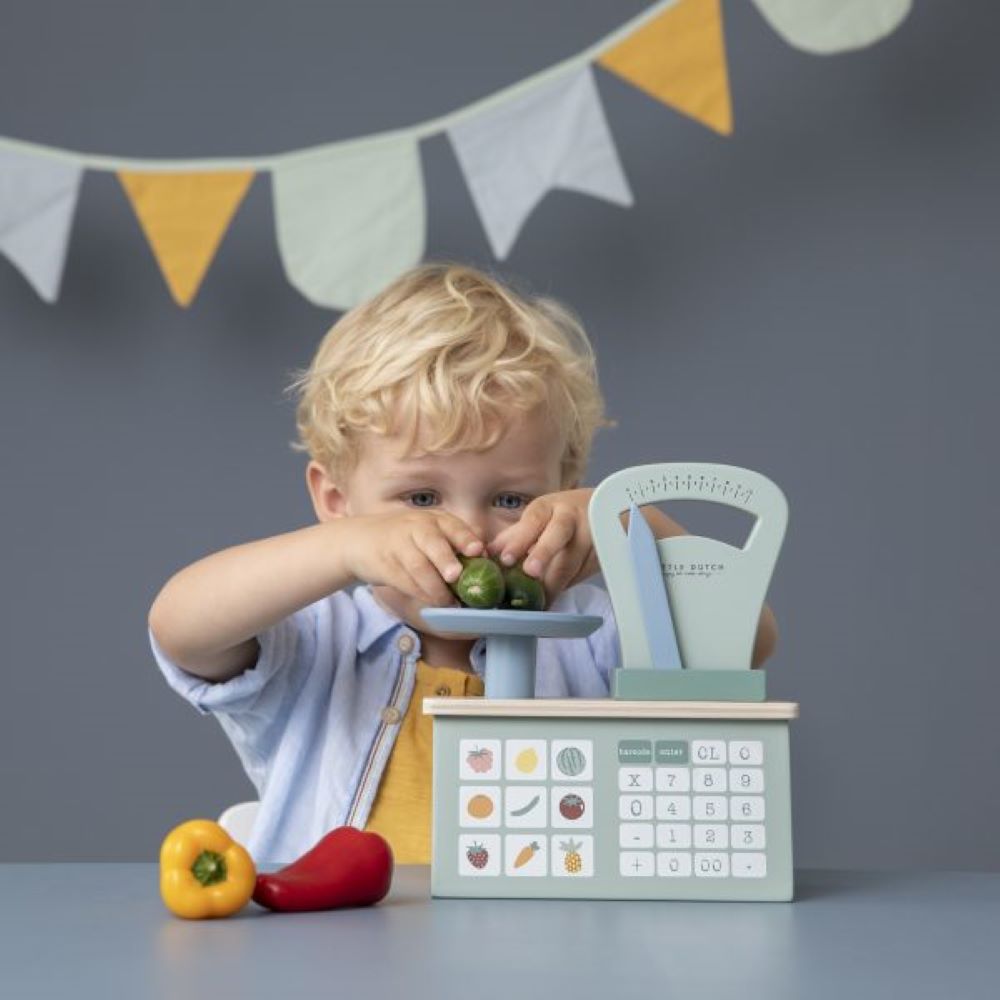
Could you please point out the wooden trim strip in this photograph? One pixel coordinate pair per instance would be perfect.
(610, 708)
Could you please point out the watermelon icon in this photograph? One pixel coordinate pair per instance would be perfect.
(571, 761)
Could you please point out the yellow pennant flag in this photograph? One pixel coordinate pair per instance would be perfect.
(184, 217)
(679, 58)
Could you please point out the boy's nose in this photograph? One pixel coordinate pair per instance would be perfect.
(480, 523)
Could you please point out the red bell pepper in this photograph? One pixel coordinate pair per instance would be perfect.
(347, 867)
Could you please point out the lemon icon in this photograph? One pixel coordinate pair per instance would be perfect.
(527, 760)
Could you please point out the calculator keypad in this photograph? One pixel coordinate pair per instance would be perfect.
(691, 809)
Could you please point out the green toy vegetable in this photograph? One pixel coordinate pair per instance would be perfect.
(484, 583)
(523, 592)
(481, 583)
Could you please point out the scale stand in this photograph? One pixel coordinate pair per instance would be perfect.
(511, 640)
(715, 590)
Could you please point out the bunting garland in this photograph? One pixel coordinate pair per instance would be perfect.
(350, 216)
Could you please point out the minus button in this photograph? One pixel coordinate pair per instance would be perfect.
(635, 835)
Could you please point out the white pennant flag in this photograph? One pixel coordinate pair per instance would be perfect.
(553, 136)
(350, 220)
(38, 196)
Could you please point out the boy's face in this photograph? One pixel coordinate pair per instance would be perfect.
(488, 489)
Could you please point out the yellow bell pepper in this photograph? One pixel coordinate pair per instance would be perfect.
(204, 872)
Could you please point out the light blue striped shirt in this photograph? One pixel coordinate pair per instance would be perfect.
(315, 719)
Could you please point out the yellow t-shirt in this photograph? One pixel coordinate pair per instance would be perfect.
(402, 809)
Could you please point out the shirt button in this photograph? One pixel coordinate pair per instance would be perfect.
(391, 715)
(405, 643)
(443, 691)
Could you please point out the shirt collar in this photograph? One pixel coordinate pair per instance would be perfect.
(377, 620)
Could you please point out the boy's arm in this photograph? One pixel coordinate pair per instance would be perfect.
(767, 629)
(206, 616)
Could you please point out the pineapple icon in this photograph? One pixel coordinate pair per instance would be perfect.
(572, 861)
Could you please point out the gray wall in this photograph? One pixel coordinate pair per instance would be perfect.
(815, 297)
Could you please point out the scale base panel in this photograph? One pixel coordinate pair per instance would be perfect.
(603, 808)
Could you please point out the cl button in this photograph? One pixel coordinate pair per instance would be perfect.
(391, 715)
(443, 691)
(405, 643)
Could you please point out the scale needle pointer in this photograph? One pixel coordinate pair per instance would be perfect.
(654, 601)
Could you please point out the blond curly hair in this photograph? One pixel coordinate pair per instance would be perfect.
(454, 349)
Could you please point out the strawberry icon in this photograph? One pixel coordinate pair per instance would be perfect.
(478, 856)
(480, 759)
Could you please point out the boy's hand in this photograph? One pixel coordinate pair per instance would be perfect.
(413, 551)
(555, 532)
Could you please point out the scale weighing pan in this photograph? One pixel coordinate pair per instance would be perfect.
(511, 640)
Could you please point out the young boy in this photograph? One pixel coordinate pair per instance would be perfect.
(424, 411)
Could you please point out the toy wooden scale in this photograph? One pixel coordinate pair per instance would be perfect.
(676, 787)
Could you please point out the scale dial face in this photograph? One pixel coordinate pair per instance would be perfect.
(700, 485)
(715, 591)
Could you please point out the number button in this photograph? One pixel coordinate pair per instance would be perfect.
(673, 807)
(673, 836)
(709, 779)
(673, 865)
(746, 779)
(714, 836)
(746, 752)
(710, 807)
(747, 808)
(708, 751)
(748, 837)
(635, 779)
(673, 779)
(635, 807)
(711, 865)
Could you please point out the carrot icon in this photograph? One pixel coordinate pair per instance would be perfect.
(526, 854)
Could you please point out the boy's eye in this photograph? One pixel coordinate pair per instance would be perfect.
(416, 498)
(519, 501)
(506, 501)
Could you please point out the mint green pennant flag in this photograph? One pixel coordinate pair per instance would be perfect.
(825, 27)
(350, 219)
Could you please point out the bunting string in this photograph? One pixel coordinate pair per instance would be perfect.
(351, 214)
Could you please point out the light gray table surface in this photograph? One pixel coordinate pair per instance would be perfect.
(100, 930)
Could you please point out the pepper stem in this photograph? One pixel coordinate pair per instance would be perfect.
(209, 868)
